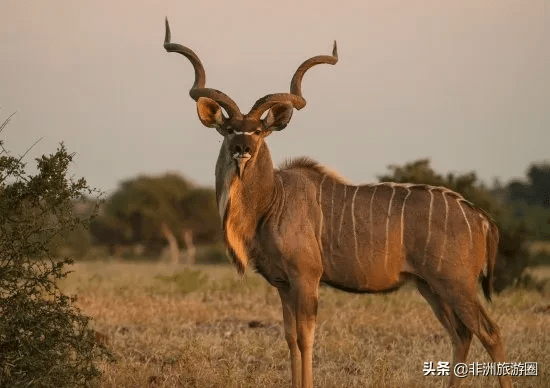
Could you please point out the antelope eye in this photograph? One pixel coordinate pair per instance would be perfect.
(257, 131)
(229, 130)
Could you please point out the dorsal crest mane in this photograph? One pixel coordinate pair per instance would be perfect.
(309, 164)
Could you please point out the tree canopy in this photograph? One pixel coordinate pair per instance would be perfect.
(529, 200)
(536, 189)
(152, 209)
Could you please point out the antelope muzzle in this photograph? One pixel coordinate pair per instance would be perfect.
(241, 155)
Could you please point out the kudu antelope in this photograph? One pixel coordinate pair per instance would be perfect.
(303, 225)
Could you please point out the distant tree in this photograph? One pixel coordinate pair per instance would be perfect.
(519, 191)
(147, 205)
(199, 213)
(200, 220)
(512, 233)
(539, 179)
(536, 189)
(110, 232)
(151, 210)
(529, 200)
(45, 341)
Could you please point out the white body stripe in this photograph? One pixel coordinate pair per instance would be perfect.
(429, 226)
(467, 222)
(353, 222)
(342, 215)
(388, 228)
(444, 232)
(371, 226)
(403, 217)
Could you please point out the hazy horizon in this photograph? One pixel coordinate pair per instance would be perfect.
(465, 84)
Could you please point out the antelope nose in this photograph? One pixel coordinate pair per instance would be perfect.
(242, 149)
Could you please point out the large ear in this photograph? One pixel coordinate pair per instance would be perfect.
(278, 116)
(210, 113)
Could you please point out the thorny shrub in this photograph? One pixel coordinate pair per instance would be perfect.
(45, 341)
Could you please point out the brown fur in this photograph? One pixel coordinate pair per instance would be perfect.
(304, 224)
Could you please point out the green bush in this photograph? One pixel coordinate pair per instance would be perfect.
(45, 341)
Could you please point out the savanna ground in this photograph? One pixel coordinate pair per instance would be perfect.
(181, 327)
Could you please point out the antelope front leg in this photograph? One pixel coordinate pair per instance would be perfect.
(289, 317)
(306, 313)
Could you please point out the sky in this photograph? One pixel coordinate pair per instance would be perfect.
(464, 83)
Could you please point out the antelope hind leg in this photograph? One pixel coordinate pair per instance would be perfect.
(461, 336)
(468, 309)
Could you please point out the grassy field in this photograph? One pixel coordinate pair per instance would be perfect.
(180, 327)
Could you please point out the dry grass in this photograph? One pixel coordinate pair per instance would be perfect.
(228, 332)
